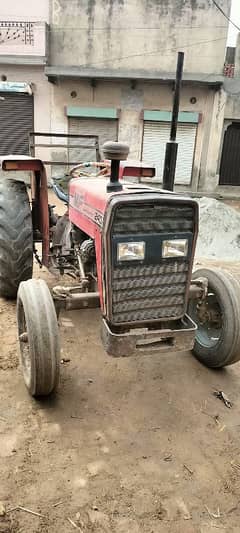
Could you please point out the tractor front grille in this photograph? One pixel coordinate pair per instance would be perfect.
(146, 292)
(152, 219)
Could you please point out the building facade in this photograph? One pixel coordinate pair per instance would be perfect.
(25, 94)
(107, 67)
(228, 168)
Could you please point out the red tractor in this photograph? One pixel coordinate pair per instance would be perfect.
(130, 249)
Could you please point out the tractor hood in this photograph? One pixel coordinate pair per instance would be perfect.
(88, 200)
(93, 192)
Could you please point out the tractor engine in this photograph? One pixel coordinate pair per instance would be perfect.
(87, 251)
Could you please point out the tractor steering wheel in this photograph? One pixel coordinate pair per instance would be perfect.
(78, 170)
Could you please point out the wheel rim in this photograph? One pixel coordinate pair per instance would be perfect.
(208, 317)
(24, 346)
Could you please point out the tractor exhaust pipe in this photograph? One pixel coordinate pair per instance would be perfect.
(172, 146)
(116, 152)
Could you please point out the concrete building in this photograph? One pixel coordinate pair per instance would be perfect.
(24, 89)
(108, 67)
(228, 168)
(112, 65)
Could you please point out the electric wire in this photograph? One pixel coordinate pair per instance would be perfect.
(225, 15)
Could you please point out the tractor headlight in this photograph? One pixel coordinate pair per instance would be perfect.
(175, 248)
(131, 251)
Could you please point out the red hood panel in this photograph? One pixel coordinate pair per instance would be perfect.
(88, 198)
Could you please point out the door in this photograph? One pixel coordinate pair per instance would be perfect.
(16, 119)
(156, 135)
(230, 161)
(106, 129)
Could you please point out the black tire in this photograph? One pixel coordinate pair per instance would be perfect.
(217, 347)
(38, 337)
(16, 238)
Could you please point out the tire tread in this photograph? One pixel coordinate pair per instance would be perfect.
(16, 239)
(227, 288)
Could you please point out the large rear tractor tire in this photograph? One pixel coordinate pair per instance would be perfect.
(217, 341)
(38, 337)
(16, 238)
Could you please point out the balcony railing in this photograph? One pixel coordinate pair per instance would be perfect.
(23, 39)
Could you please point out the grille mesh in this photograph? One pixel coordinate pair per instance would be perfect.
(153, 219)
(150, 292)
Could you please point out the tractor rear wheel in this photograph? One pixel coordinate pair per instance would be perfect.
(217, 341)
(38, 337)
(16, 239)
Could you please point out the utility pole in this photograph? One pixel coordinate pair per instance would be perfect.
(172, 145)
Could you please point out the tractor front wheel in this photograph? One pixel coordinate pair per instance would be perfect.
(16, 239)
(217, 341)
(38, 337)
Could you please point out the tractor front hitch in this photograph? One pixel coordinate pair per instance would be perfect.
(179, 335)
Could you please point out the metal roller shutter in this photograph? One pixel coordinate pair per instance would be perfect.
(106, 129)
(156, 135)
(16, 120)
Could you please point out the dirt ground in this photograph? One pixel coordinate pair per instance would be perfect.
(136, 445)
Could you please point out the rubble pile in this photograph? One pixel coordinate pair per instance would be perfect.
(219, 232)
